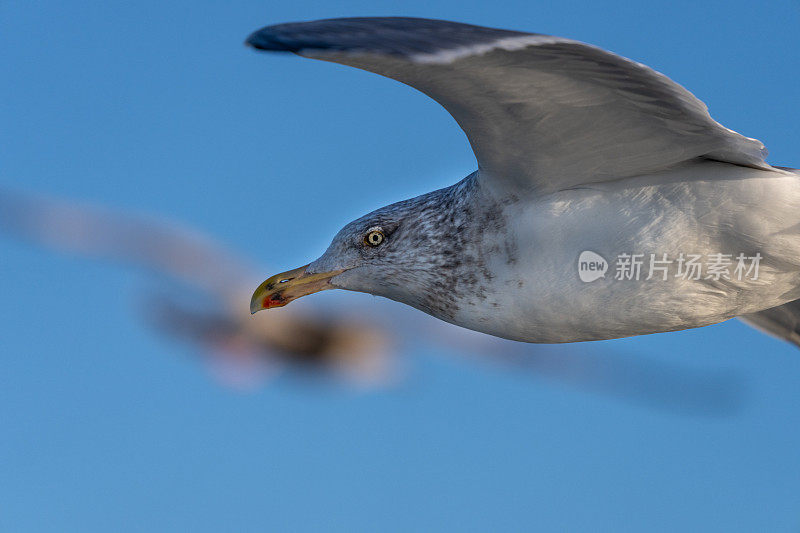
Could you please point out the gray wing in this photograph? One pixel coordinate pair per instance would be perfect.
(782, 322)
(540, 112)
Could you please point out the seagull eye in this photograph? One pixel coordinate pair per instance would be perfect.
(374, 238)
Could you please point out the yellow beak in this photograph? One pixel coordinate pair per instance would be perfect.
(282, 288)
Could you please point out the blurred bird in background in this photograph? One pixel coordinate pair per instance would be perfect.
(242, 351)
(362, 348)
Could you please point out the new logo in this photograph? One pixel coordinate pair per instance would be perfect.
(591, 266)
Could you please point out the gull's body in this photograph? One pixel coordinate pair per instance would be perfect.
(578, 150)
(531, 248)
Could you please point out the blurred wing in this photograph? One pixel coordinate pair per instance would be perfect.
(540, 112)
(604, 370)
(782, 322)
(158, 245)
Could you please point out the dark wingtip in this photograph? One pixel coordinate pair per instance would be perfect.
(267, 39)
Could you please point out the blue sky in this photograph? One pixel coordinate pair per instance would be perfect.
(157, 107)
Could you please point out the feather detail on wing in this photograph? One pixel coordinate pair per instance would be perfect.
(542, 113)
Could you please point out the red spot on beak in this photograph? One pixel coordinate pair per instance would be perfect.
(273, 300)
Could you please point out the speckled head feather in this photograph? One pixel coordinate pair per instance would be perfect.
(430, 258)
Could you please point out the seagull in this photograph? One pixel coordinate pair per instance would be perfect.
(240, 351)
(600, 182)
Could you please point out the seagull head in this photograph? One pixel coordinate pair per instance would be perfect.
(409, 251)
